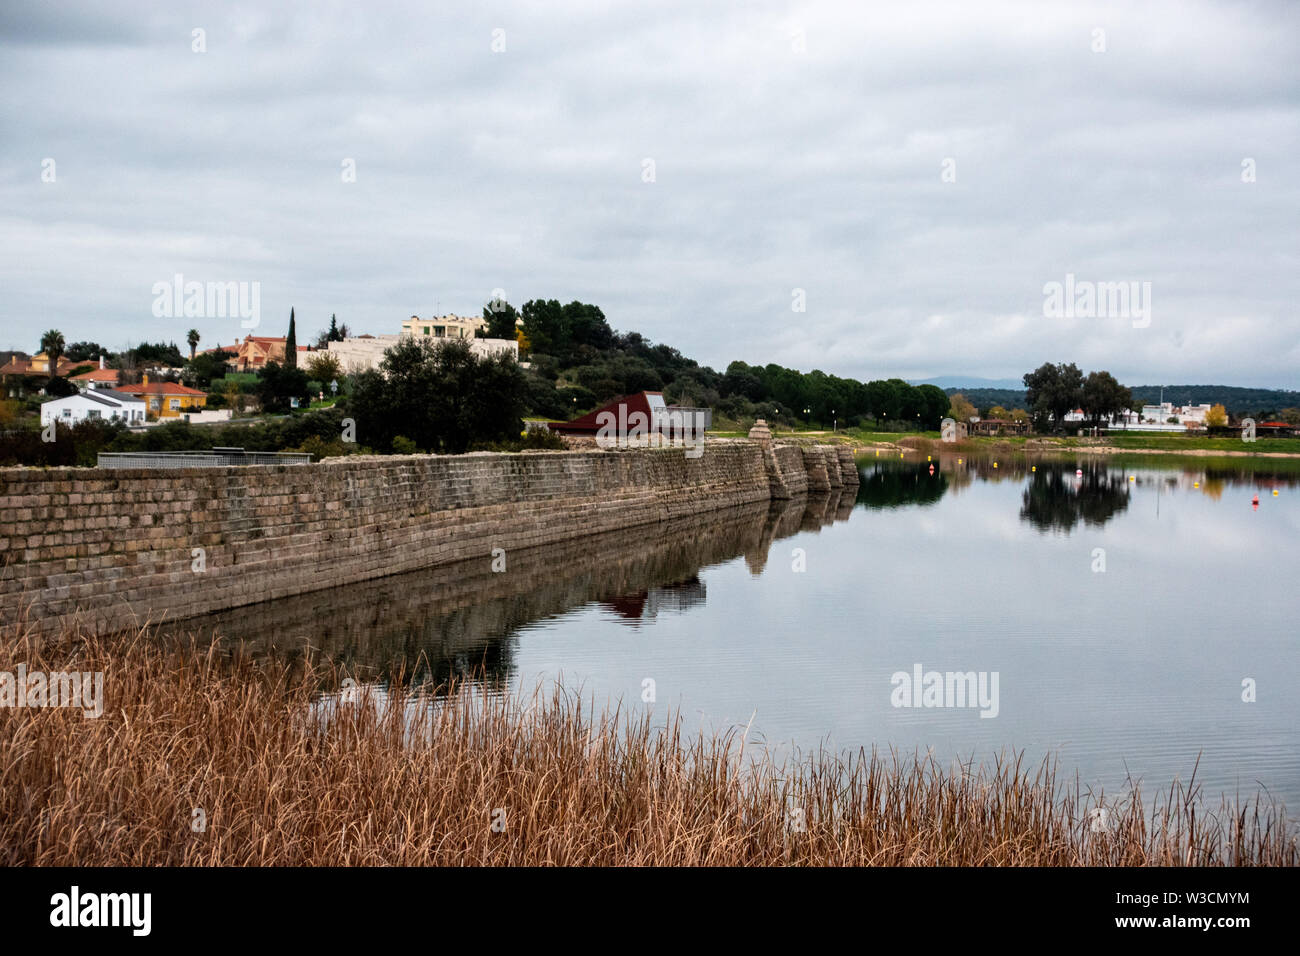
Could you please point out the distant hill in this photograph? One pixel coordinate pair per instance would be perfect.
(1238, 401)
(960, 383)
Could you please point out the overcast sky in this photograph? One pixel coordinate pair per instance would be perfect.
(794, 147)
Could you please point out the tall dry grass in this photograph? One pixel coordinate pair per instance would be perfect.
(283, 780)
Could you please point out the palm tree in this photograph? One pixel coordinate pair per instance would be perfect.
(192, 336)
(52, 345)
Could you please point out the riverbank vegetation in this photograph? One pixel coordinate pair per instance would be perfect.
(205, 756)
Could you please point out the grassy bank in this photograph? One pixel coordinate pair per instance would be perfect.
(1145, 444)
(280, 780)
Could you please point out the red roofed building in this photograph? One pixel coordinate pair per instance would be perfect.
(1278, 429)
(98, 377)
(167, 399)
(1000, 426)
(38, 364)
(257, 351)
(633, 416)
(15, 373)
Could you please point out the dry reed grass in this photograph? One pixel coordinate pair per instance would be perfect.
(403, 780)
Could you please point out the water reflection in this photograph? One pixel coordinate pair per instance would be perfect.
(1053, 500)
(646, 605)
(461, 621)
(892, 484)
(1059, 494)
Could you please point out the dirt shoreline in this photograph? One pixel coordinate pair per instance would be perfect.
(1180, 453)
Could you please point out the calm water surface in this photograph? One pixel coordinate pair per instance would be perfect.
(1133, 670)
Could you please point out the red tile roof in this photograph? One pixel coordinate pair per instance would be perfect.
(97, 375)
(25, 366)
(161, 388)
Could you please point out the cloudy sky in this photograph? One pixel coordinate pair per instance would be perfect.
(915, 173)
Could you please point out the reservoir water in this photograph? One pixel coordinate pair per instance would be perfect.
(1126, 617)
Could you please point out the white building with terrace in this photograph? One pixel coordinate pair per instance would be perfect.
(367, 351)
(93, 403)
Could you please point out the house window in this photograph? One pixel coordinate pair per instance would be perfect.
(67, 413)
(153, 403)
(426, 330)
(175, 404)
(92, 413)
(439, 331)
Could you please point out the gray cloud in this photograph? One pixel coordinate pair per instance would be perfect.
(775, 170)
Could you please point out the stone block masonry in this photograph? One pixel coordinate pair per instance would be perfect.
(113, 549)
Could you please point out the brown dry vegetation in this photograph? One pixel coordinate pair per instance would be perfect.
(282, 782)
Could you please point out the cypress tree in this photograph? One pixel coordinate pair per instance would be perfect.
(291, 345)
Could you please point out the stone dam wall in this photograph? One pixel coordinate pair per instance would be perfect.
(111, 549)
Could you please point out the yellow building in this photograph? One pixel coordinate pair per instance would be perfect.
(167, 399)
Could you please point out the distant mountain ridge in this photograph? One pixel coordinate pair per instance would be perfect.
(958, 382)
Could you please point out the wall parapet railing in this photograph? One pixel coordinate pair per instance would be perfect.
(215, 458)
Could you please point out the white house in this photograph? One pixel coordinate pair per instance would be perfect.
(94, 403)
(367, 351)
(1184, 414)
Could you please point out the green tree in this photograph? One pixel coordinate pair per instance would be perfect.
(933, 405)
(291, 344)
(882, 400)
(909, 403)
(206, 367)
(59, 387)
(586, 325)
(334, 334)
(501, 316)
(84, 351)
(324, 367)
(1052, 391)
(157, 352)
(278, 384)
(545, 327)
(192, 337)
(439, 395)
(740, 379)
(1102, 397)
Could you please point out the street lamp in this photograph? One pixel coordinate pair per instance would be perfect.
(835, 424)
